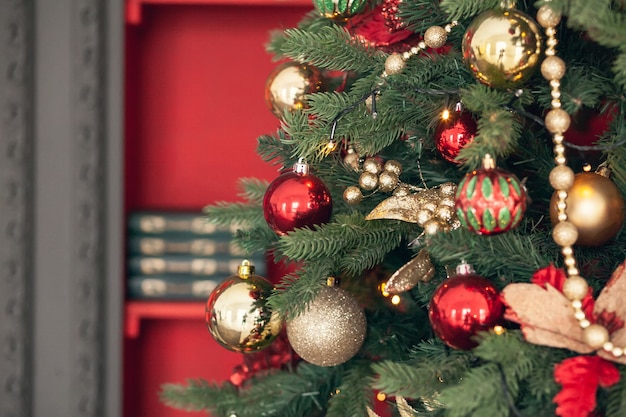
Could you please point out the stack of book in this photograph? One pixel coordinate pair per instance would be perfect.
(180, 255)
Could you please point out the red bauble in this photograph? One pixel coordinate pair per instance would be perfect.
(490, 200)
(296, 199)
(454, 133)
(462, 306)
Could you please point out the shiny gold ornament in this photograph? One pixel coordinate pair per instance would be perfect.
(424, 216)
(435, 37)
(595, 206)
(368, 181)
(387, 181)
(394, 64)
(432, 227)
(402, 190)
(288, 84)
(372, 165)
(237, 315)
(502, 47)
(331, 330)
(419, 268)
(352, 195)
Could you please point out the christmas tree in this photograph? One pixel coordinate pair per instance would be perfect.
(448, 215)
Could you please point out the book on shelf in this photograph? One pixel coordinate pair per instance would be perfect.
(150, 245)
(174, 222)
(222, 266)
(173, 287)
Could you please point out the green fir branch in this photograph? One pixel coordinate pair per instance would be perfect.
(255, 241)
(354, 394)
(513, 255)
(463, 9)
(275, 148)
(252, 189)
(237, 213)
(200, 395)
(616, 402)
(330, 47)
(420, 379)
(295, 291)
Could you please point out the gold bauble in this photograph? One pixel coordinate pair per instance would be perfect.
(331, 330)
(547, 17)
(352, 195)
(575, 288)
(352, 159)
(596, 336)
(553, 68)
(393, 166)
(557, 121)
(561, 178)
(288, 84)
(394, 64)
(595, 206)
(502, 47)
(372, 165)
(435, 37)
(237, 315)
(368, 181)
(387, 181)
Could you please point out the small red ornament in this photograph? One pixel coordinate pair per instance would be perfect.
(456, 130)
(490, 200)
(296, 199)
(462, 306)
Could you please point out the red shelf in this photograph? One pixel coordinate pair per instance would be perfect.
(136, 311)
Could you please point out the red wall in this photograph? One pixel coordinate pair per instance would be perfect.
(195, 78)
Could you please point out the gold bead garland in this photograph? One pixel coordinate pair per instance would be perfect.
(565, 233)
(434, 37)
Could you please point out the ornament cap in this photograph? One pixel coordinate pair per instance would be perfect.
(245, 269)
(464, 268)
(332, 282)
(488, 162)
(301, 167)
(604, 170)
(507, 4)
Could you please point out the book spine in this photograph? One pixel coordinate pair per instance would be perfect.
(156, 223)
(189, 265)
(170, 287)
(158, 246)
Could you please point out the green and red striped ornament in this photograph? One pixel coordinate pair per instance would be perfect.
(490, 200)
(339, 9)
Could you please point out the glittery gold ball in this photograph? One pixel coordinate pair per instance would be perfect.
(575, 288)
(553, 68)
(547, 17)
(387, 181)
(435, 37)
(596, 336)
(368, 181)
(565, 233)
(393, 166)
(372, 165)
(444, 213)
(352, 195)
(557, 121)
(394, 64)
(331, 330)
(447, 189)
(447, 201)
(432, 227)
(561, 178)
(423, 216)
(401, 191)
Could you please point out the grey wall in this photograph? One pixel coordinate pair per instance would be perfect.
(60, 207)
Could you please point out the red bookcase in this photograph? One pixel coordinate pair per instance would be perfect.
(195, 72)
